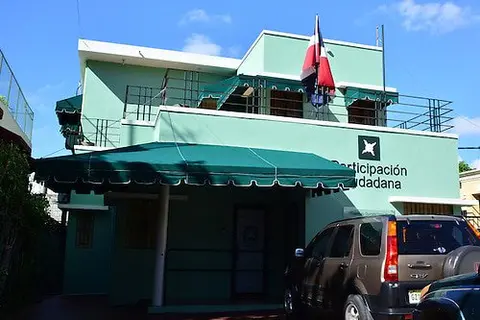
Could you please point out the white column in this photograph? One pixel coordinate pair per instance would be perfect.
(161, 242)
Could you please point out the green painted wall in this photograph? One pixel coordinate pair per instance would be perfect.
(255, 61)
(87, 271)
(431, 162)
(348, 62)
(104, 93)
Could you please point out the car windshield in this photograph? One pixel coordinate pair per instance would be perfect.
(433, 237)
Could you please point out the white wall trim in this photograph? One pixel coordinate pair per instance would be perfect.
(450, 201)
(274, 75)
(230, 114)
(327, 41)
(344, 84)
(137, 55)
(90, 148)
(70, 206)
(141, 123)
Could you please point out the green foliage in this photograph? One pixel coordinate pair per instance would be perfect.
(24, 220)
(4, 100)
(463, 166)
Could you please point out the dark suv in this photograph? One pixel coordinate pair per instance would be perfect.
(375, 267)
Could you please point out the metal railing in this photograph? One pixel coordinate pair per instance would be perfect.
(12, 97)
(284, 98)
(474, 220)
(101, 132)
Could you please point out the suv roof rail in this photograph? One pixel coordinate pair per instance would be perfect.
(389, 216)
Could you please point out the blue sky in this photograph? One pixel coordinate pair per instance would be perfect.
(431, 47)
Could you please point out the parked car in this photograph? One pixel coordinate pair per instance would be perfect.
(375, 267)
(452, 298)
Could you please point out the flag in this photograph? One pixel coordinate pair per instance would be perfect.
(316, 68)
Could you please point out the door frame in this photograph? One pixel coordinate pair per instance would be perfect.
(263, 208)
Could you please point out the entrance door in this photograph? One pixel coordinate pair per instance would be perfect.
(249, 253)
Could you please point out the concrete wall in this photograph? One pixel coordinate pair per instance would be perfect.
(88, 270)
(427, 164)
(8, 122)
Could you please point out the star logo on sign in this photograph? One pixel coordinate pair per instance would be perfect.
(369, 148)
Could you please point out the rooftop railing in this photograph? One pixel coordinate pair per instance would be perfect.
(12, 97)
(286, 98)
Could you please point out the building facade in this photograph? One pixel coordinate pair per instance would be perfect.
(227, 244)
(470, 190)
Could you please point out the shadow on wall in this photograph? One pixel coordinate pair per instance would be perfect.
(325, 207)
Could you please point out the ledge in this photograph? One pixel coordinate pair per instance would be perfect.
(141, 123)
(449, 201)
(182, 309)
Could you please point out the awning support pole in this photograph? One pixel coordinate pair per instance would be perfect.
(161, 246)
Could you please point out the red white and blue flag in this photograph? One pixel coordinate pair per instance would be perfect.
(316, 72)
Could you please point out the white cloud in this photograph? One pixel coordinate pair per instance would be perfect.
(475, 164)
(464, 126)
(434, 17)
(234, 52)
(460, 158)
(199, 43)
(200, 15)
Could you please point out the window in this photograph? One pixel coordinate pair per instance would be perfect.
(342, 243)
(362, 112)
(140, 224)
(429, 237)
(84, 233)
(371, 238)
(320, 245)
(427, 208)
(286, 104)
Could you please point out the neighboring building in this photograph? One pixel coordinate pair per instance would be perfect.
(52, 197)
(470, 190)
(16, 116)
(225, 244)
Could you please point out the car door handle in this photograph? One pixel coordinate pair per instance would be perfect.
(343, 265)
(419, 266)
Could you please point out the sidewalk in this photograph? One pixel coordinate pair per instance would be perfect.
(93, 308)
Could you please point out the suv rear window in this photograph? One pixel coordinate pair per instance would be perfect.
(433, 237)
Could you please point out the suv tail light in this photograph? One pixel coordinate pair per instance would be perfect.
(390, 273)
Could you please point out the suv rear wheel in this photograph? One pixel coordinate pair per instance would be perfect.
(355, 309)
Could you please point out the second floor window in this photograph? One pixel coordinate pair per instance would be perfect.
(286, 104)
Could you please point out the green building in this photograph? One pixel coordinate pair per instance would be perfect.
(195, 177)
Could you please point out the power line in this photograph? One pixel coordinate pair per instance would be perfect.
(469, 148)
(51, 154)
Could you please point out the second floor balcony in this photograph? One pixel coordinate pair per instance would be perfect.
(17, 116)
(367, 106)
(352, 103)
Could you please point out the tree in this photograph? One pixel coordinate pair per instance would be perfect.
(22, 216)
(463, 166)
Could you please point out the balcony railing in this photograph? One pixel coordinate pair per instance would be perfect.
(100, 132)
(286, 98)
(12, 97)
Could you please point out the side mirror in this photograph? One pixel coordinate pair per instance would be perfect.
(299, 253)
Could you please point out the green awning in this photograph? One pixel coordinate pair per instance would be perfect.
(70, 105)
(353, 94)
(223, 89)
(193, 164)
(69, 110)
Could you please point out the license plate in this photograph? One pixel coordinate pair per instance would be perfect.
(414, 297)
